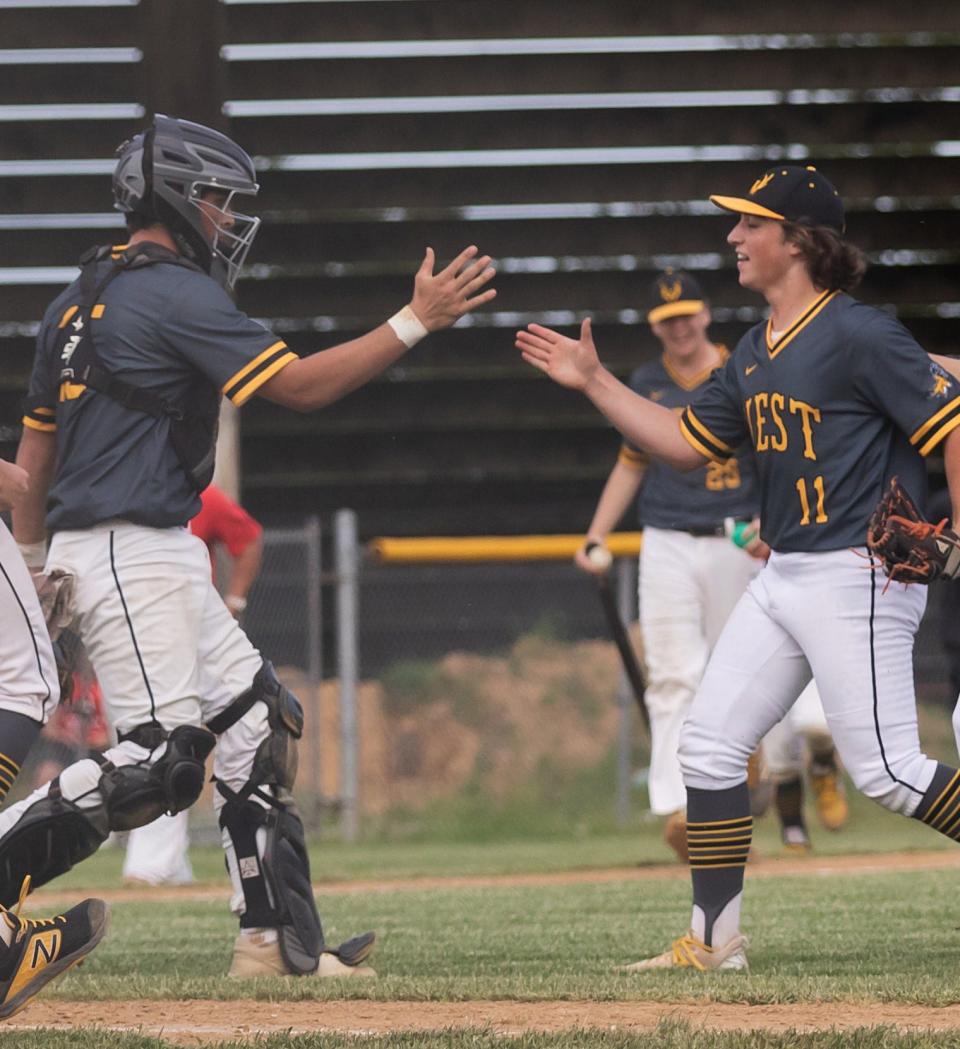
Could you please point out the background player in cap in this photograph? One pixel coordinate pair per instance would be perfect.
(120, 423)
(691, 574)
(836, 398)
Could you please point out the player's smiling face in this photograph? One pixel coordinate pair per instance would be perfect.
(682, 336)
(763, 254)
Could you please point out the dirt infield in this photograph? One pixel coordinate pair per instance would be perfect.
(204, 1022)
(198, 1023)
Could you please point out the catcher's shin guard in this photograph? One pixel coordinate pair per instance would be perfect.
(262, 825)
(274, 871)
(51, 836)
(287, 870)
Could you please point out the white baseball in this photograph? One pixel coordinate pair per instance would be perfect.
(600, 556)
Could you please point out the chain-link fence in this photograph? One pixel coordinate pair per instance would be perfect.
(410, 617)
(394, 661)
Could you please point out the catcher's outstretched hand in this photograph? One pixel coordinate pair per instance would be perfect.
(14, 483)
(569, 362)
(910, 548)
(441, 299)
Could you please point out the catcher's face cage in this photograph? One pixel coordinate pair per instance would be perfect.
(232, 231)
(162, 172)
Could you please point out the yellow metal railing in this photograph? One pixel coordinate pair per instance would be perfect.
(400, 550)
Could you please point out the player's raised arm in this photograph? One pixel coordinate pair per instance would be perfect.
(574, 363)
(439, 301)
(13, 484)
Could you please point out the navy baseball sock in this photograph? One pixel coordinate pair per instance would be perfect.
(790, 802)
(940, 806)
(719, 830)
(17, 735)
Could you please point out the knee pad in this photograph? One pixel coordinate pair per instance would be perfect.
(137, 794)
(276, 760)
(276, 883)
(51, 836)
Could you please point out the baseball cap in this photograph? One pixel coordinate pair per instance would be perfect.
(673, 294)
(790, 193)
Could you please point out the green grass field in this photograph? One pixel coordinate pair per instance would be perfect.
(667, 1036)
(886, 937)
(839, 941)
(889, 937)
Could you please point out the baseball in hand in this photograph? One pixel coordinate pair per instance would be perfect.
(600, 556)
(741, 532)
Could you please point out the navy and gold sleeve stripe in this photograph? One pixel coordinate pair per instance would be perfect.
(632, 458)
(933, 431)
(240, 387)
(39, 417)
(702, 439)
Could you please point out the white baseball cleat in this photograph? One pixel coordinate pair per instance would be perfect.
(689, 953)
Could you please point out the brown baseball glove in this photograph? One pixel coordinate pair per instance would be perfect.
(911, 548)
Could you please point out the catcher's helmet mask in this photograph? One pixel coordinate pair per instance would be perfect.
(162, 174)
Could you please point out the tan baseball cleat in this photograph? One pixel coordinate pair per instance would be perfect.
(830, 798)
(675, 834)
(689, 953)
(41, 949)
(256, 956)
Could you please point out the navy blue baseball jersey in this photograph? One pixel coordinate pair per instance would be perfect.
(163, 327)
(695, 499)
(837, 405)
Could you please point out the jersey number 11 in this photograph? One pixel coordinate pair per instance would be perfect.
(801, 487)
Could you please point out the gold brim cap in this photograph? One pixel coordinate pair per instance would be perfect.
(743, 206)
(685, 308)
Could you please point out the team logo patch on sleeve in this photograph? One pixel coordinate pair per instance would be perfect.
(941, 381)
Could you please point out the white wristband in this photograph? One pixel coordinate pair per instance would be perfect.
(235, 602)
(407, 327)
(35, 554)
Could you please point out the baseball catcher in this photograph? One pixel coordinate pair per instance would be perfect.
(910, 548)
(133, 359)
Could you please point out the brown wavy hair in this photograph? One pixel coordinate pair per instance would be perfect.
(832, 262)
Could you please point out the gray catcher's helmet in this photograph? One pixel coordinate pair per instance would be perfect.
(161, 174)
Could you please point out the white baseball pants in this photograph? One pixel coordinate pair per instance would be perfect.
(689, 585)
(28, 672)
(783, 745)
(825, 613)
(157, 853)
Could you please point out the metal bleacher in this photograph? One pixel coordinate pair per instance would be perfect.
(575, 142)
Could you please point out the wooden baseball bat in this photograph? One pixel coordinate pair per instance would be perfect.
(624, 645)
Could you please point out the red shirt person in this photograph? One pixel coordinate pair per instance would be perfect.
(224, 523)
